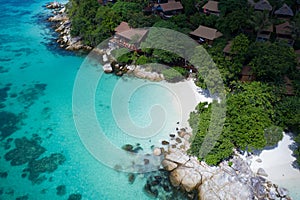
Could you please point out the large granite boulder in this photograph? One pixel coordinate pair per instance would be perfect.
(177, 156)
(191, 180)
(222, 186)
(169, 165)
(187, 178)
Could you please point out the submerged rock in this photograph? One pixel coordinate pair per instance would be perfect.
(25, 197)
(46, 164)
(61, 190)
(75, 197)
(3, 174)
(25, 151)
(127, 147)
(131, 178)
(9, 123)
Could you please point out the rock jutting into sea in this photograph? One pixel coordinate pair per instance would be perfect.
(110, 65)
(231, 179)
(63, 27)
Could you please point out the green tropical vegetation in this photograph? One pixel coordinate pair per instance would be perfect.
(257, 111)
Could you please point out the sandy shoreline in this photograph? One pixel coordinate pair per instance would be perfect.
(188, 95)
(277, 163)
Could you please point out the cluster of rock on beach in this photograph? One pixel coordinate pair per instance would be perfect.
(236, 181)
(110, 65)
(181, 174)
(62, 25)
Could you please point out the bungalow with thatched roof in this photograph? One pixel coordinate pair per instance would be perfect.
(284, 12)
(227, 49)
(211, 7)
(263, 5)
(264, 34)
(247, 74)
(124, 26)
(284, 33)
(128, 37)
(289, 89)
(169, 9)
(206, 34)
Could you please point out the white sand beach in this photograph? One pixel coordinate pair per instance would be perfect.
(277, 163)
(189, 96)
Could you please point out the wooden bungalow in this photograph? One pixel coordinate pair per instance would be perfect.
(211, 7)
(265, 34)
(263, 5)
(284, 12)
(205, 34)
(128, 37)
(284, 33)
(289, 89)
(124, 26)
(169, 9)
(247, 74)
(227, 49)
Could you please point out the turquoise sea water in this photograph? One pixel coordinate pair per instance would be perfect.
(36, 87)
(36, 102)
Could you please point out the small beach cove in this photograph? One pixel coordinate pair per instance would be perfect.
(38, 82)
(42, 77)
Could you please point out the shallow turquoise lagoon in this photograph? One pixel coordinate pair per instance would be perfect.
(36, 87)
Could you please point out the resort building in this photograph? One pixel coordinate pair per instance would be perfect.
(128, 37)
(289, 89)
(284, 33)
(265, 34)
(263, 5)
(205, 34)
(169, 9)
(247, 74)
(284, 12)
(211, 7)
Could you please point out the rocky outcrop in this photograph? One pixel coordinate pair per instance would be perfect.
(141, 72)
(54, 5)
(233, 182)
(63, 27)
(111, 66)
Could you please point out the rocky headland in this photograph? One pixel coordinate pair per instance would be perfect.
(62, 25)
(231, 179)
(110, 65)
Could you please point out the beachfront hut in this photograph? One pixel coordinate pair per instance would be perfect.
(128, 37)
(211, 7)
(169, 9)
(284, 33)
(284, 12)
(124, 26)
(263, 5)
(206, 34)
